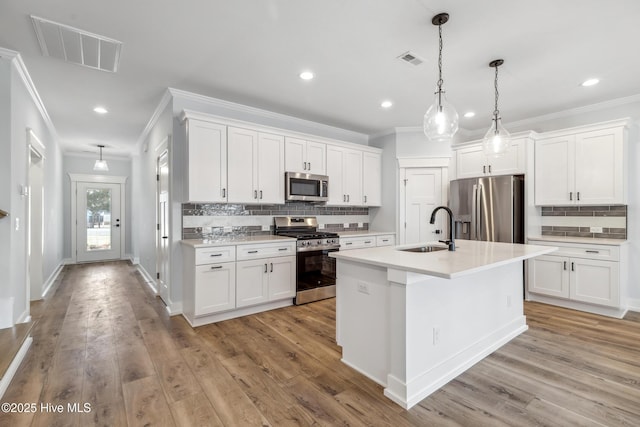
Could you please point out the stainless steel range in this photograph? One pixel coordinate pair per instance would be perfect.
(316, 271)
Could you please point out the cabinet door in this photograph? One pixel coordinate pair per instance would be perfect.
(282, 278)
(599, 171)
(252, 282)
(595, 281)
(295, 155)
(270, 169)
(555, 171)
(335, 170)
(510, 163)
(549, 275)
(470, 162)
(215, 287)
(242, 165)
(316, 158)
(371, 179)
(352, 177)
(206, 162)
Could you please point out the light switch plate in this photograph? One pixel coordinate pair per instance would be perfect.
(595, 229)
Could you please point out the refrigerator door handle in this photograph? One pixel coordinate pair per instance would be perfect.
(474, 210)
(478, 204)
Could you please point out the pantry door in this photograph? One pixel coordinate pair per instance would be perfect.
(99, 223)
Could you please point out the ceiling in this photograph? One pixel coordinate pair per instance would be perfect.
(252, 51)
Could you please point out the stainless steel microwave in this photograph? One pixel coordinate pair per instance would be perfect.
(306, 187)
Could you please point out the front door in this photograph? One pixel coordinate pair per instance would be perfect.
(99, 222)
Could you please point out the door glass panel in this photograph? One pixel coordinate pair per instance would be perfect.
(98, 219)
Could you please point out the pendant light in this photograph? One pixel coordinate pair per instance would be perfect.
(101, 165)
(497, 140)
(441, 119)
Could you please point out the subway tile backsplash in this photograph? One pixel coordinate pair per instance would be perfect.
(199, 220)
(616, 214)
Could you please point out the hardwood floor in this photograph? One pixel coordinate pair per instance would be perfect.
(104, 340)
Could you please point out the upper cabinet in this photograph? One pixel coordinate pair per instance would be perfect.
(471, 162)
(371, 179)
(305, 156)
(584, 167)
(255, 163)
(206, 177)
(344, 168)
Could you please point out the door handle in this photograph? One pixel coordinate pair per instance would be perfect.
(165, 237)
(116, 225)
(474, 213)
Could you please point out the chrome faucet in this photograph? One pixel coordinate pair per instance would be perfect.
(451, 243)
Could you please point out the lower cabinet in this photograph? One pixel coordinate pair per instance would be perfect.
(262, 280)
(367, 241)
(586, 273)
(215, 288)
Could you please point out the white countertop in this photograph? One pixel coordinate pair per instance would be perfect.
(588, 240)
(469, 257)
(240, 240)
(364, 233)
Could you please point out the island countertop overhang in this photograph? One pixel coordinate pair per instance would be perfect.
(469, 257)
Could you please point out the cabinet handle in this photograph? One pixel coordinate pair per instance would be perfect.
(489, 168)
(565, 266)
(272, 267)
(309, 165)
(344, 197)
(212, 255)
(252, 252)
(283, 249)
(349, 243)
(571, 195)
(255, 194)
(573, 267)
(304, 167)
(385, 240)
(365, 199)
(348, 197)
(265, 267)
(484, 169)
(578, 196)
(367, 242)
(592, 252)
(224, 192)
(260, 194)
(215, 267)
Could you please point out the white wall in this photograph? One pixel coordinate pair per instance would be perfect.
(384, 218)
(76, 164)
(18, 112)
(412, 142)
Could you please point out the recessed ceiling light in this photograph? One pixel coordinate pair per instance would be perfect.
(306, 75)
(469, 114)
(386, 104)
(590, 82)
(100, 110)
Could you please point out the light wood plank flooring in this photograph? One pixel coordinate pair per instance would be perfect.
(103, 339)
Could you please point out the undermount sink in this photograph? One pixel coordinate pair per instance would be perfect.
(427, 248)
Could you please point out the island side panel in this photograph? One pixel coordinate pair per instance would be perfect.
(362, 318)
(449, 326)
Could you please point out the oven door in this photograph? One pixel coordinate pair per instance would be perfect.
(316, 276)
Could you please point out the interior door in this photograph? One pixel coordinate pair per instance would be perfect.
(99, 222)
(423, 193)
(163, 227)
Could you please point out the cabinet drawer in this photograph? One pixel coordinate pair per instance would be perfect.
(387, 240)
(215, 255)
(589, 251)
(347, 243)
(266, 250)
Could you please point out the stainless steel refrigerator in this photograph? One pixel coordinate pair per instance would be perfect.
(488, 208)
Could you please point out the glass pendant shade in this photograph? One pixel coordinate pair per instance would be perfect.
(101, 165)
(497, 140)
(440, 120)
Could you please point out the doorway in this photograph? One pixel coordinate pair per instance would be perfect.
(162, 241)
(35, 222)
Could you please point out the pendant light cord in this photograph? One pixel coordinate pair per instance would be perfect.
(440, 67)
(496, 112)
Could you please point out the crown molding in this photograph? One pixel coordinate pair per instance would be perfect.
(166, 98)
(18, 63)
(241, 108)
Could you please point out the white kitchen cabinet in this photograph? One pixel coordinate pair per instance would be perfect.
(255, 167)
(386, 240)
(305, 156)
(262, 280)
(344, 168)
(206, 166)
(215, 288)
(582, 168)
(366, 241)
(471, 162)
(582, 273)
(371, 179)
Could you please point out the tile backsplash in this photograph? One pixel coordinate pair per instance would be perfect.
(576, 221)
(221, 219)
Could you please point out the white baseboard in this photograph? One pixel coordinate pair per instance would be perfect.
(24, 317)
(13, 367)
(68, 261)
(52, 278)
(633, 304)
(174, 308)
(149, 280)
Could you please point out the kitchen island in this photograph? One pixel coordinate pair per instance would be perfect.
(413, 321)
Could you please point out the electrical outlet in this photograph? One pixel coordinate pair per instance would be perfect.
(345, 225)
(595, 229)
(266, 228)
(360, 225)
(227, 229)
(320, 226)
(436, 335)
(363, 288)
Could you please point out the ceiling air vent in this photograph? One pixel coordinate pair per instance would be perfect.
(411, 58)
(77, 46)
